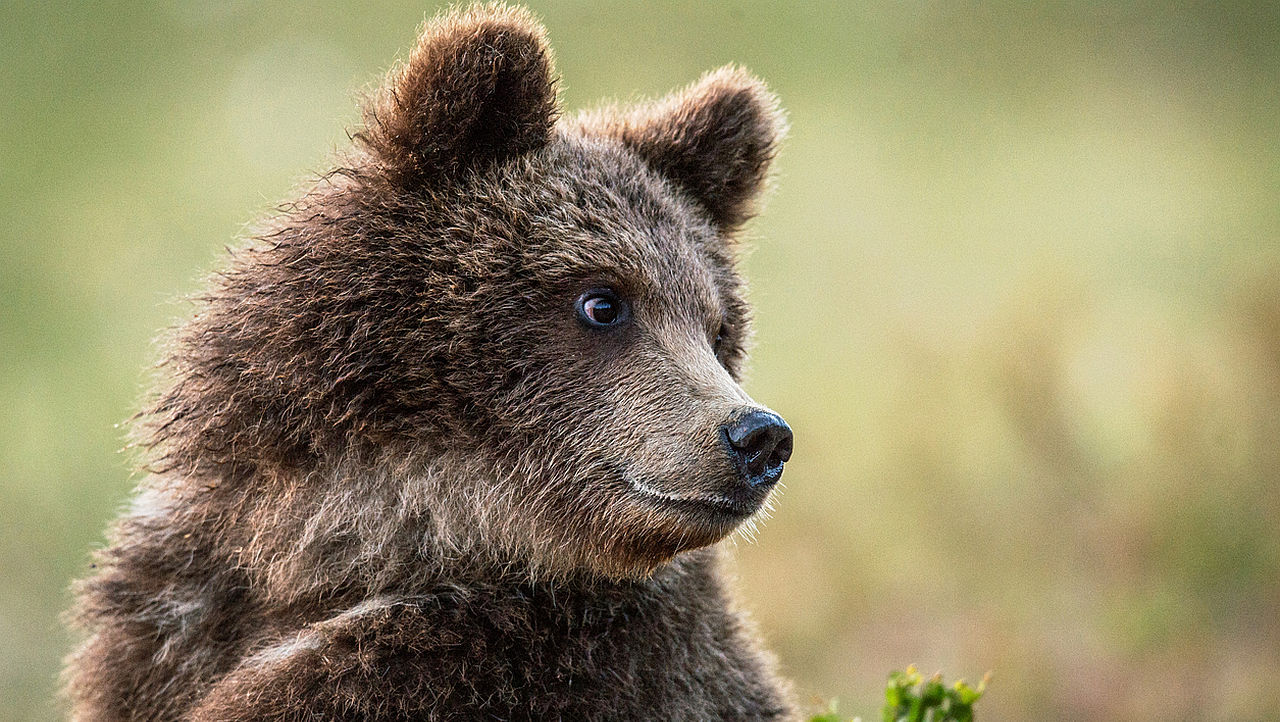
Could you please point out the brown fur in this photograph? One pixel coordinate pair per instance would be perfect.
(392, 476)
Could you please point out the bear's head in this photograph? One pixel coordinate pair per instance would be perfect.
(492, 331)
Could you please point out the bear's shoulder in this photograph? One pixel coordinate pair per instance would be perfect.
(657, 647)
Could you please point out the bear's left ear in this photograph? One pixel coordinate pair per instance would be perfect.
(715, 139)
(478, 86)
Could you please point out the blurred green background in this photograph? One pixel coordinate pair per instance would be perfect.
(1018, 293)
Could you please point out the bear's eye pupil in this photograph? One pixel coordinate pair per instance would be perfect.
(601, 310)
(601, 307)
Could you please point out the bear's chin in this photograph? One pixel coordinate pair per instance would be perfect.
(643, 554)
(657, 529)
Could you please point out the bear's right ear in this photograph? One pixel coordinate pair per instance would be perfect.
(478, 87)
(715, 139)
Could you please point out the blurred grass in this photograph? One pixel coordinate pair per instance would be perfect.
(1018, 292)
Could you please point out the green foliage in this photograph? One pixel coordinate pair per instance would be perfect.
(909, 697)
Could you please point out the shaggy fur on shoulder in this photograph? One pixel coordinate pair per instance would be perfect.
(396, 471)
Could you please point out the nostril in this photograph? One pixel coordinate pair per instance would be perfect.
(782, 452)
(761, 443)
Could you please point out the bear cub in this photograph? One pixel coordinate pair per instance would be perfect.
(457, 433)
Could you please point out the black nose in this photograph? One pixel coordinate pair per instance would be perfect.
(759, 443)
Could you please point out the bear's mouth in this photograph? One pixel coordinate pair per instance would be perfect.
(720, 508)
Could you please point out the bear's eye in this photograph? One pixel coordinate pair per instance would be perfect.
(601, 307)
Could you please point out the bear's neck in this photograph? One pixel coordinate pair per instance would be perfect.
(334, 536)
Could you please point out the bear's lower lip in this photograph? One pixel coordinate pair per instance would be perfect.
(720, 510)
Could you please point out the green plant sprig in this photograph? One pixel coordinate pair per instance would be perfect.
(909, 697)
